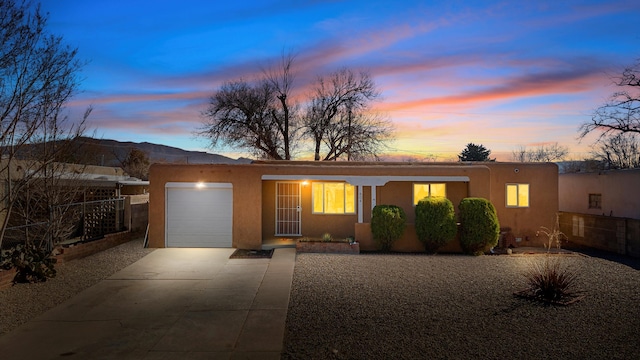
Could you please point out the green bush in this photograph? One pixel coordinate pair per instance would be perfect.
(435, 222)
(479, 226)
(387, 225)
(33, 264)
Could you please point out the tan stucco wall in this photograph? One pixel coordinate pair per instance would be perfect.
(247, 209)
(392, 193)
(620, 192)
(312, 225)
(254, 198)
(401, 194)
(543, 198)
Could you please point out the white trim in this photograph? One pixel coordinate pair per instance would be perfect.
(373, 196)
(356, 180)
(360, 217)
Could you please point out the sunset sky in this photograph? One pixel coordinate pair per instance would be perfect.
(499, 73)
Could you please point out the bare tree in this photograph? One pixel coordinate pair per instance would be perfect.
(356, 136)
(621, 113)
(285, 115)
(338, 117)
(46, 205)
(37, 78)
(260, 116)
(542, 153)
(620, 151)
(256, 116)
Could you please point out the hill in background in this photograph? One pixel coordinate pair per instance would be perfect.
(107, 152)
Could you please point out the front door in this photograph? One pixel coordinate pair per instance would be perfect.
(288, 209)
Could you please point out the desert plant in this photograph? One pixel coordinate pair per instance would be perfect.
(387, 225)
(33, 264)
(479, 226)
(554, 236)
(326, 237)
(550, 280)
(435, 222)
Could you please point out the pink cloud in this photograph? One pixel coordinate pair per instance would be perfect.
(523, 86)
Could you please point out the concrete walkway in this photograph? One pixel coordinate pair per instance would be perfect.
(171, 304)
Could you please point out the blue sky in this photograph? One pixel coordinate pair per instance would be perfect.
(500, 73)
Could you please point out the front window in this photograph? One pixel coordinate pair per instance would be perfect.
(333, 198)
(421, 191)
(517, 195)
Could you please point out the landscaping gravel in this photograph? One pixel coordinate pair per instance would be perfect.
(388, 306)
(22, 302)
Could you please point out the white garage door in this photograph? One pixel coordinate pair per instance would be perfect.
(199, 214)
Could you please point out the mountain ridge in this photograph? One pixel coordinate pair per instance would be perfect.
(109, 152)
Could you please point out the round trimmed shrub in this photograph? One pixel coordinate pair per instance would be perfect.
(387, 225)
(479, 226)
(435, 222)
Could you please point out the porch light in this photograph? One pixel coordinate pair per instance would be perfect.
(200, 185)
(305, 183)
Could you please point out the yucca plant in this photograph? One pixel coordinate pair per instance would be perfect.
(550, 280)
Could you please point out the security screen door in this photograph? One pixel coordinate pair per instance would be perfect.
(287, 208)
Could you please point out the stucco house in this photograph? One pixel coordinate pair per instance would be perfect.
(607, 192)
(244, 205)
(601, 210)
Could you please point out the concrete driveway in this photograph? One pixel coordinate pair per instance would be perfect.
(171, 304)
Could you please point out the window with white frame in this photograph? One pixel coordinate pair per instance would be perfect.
(421, 191)
(517, 195)
(333, 198)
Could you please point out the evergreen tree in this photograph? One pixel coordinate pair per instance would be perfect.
(475, 152)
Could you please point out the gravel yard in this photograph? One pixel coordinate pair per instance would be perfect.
(21, 302)
(390, 306)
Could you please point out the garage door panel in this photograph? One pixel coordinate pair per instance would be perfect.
(192, 242)
(199, 217)
(210, 223)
